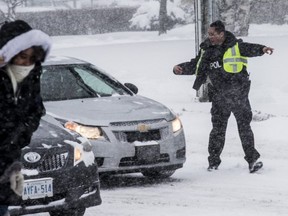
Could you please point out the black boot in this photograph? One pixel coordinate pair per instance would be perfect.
(255, 166)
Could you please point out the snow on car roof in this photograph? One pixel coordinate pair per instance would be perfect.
(62, 60)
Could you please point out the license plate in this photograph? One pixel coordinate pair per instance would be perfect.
(147, 154)
(37, 188)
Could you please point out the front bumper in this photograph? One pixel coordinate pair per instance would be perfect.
(76, 187)
(115, 156)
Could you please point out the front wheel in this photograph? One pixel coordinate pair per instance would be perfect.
(158, 174)
(69, 212)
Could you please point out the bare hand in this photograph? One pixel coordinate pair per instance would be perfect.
(268, 50)
(2, 61)
(177, 69)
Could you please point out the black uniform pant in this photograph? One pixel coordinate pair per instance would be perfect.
(222, 107)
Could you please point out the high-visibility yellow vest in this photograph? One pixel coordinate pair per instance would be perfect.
(233, 62)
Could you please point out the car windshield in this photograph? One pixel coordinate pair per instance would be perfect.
(66, 82)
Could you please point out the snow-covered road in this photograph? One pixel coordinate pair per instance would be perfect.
(231, 190)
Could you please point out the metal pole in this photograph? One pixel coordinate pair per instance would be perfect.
(198, 31)
(198, 24)
(205, 16)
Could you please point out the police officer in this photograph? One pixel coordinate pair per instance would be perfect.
(222, 62)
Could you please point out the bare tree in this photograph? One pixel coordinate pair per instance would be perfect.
(163, 17)
(235, 14)
(11, 9)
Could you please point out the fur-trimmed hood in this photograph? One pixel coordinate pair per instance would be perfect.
(17, 36)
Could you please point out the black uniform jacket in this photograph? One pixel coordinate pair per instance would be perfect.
(20, 115)
(211, 64)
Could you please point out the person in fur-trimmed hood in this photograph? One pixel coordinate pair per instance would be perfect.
(22, 50)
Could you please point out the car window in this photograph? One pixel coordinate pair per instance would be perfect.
(66, 82)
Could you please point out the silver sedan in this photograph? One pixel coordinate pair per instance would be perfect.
(129, 133)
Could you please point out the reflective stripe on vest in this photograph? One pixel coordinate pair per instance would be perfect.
(233, 62)
(199, 61)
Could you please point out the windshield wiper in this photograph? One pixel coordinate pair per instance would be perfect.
(81, 83)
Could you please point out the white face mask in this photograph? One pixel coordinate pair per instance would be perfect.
(20, 72)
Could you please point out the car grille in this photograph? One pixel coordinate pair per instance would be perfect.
(156, 130)
(49, 162)
(53, 162)
(132, 123)
(151, 135)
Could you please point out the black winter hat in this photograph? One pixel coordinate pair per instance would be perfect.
(17, 36)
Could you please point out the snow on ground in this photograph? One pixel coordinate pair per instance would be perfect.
(146, 59)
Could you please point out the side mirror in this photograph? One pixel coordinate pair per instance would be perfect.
(132, 87)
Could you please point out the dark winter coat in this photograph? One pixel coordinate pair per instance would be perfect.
(221, 80)
(19, 116)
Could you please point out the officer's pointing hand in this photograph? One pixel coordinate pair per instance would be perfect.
(268, 50)
(177, 70)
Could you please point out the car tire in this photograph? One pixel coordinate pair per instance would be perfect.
(70, 212)
(158, 174)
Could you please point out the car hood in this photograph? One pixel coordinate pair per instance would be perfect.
(50, 132)
(102, 111)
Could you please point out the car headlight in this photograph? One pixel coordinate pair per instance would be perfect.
(176, 125)
(88, 132)
(82, 151)
(81, 155)
(77, 154)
